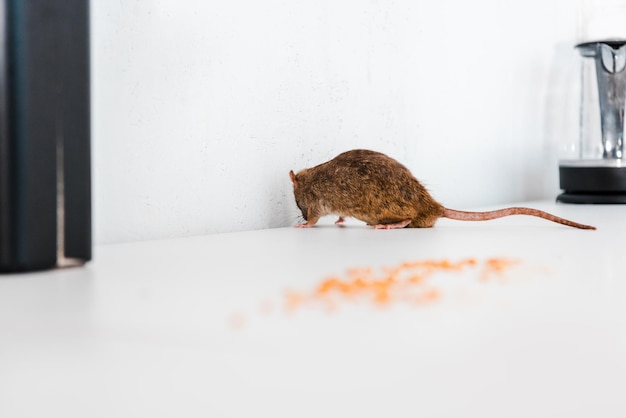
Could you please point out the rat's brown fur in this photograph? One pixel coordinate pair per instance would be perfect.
(381, 192)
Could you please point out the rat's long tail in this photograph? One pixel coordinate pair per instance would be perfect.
(485, 216)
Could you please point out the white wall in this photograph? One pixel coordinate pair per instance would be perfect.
(200, 108)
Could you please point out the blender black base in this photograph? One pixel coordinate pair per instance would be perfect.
(603, 182)
(592, 198)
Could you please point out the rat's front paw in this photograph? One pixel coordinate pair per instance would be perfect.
(303, 226)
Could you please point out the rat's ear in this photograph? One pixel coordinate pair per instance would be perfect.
(293, 178)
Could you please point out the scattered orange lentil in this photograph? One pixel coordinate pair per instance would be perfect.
(429, 295)
(266, 307)
(407, 281)
(496, 266)
(237, 321)
(293, 300)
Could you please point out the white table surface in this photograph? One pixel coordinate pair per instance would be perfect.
(197, 327)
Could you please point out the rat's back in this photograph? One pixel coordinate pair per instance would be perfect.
(377, 189)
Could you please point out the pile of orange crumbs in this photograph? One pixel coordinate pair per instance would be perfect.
(407, 282)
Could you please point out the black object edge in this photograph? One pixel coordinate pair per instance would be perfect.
(599, 185)
(44, 134)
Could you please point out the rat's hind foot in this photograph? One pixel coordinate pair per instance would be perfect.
(340, 221)
(397, 225)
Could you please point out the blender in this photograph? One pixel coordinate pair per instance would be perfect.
(595, 170)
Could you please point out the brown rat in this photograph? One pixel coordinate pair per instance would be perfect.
(381, 192)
